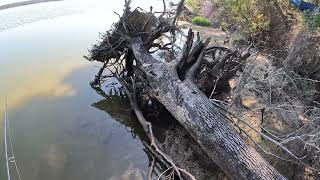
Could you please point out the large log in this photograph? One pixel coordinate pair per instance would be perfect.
(172, 84)
(194, 111)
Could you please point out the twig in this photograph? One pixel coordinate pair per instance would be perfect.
(151, 168)
(178, 11)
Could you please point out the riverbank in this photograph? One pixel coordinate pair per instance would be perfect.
(271, 96)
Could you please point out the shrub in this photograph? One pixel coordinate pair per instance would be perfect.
(248, 16)
(259, 23)
(195, 5)
(312, 19)
(224, 26)
(201, 21)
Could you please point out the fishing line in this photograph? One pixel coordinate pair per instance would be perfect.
(5, 142)
(13, 158)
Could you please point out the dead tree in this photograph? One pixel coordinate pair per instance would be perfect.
(174, 85)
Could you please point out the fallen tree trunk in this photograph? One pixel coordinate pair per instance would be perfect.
(173, 85)
(202, 120)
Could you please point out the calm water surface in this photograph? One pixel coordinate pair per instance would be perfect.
(57, 133)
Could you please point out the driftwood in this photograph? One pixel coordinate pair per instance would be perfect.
(174, 85)
(202, 120)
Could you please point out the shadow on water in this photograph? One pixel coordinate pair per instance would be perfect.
(116, 104)
(174, 140)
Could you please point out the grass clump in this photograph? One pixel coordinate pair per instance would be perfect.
(312, 19)
(201, 21)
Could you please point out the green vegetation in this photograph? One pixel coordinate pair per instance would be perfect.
(195, 5)
(248, 14)
(312, 19)
(224, 26)
(253, 17)
(201, 21)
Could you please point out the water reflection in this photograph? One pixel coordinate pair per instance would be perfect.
(48, 81)
(122, 113)
(56, 133)
(35, 60)
(56, 158)
(116, 104)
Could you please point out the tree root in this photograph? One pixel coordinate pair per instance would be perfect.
(147, 127)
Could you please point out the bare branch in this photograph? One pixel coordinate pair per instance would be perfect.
(196, 65)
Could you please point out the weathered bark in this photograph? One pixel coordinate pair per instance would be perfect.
(201, 119)
(173, 85)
